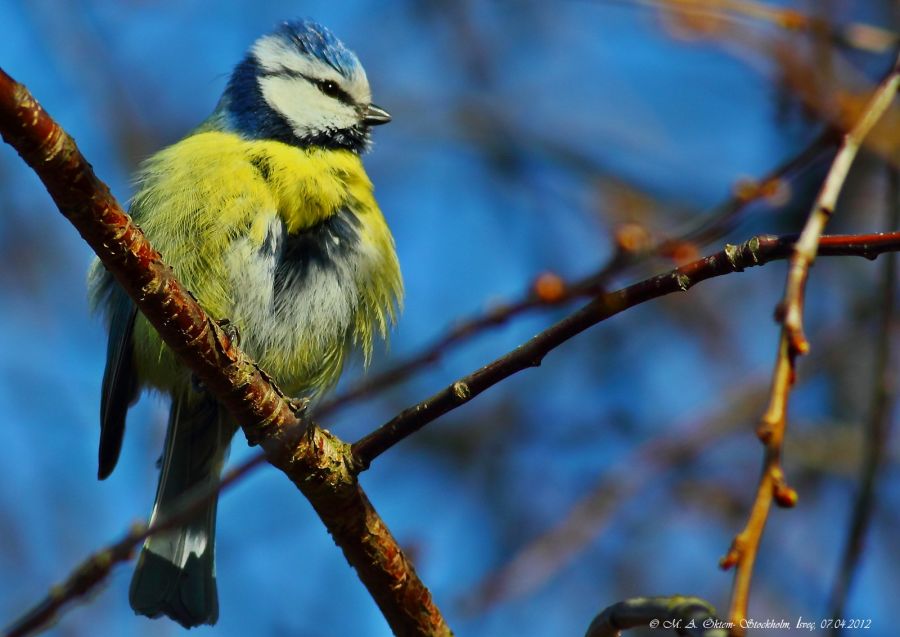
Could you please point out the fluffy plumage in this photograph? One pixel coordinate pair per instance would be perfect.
(266, 214)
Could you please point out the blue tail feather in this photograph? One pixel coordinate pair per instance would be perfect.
(175, 574)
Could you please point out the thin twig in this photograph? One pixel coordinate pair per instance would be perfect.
(879, 422)
(823, 209)
(97, 567)
(772, 484)
(713, 225)
(756, 251)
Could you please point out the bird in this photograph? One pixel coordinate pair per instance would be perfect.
(266, 214)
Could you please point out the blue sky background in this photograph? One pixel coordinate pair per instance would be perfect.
(491, 101)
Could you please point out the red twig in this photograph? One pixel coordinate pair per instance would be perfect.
(756, 251)
(772, 484)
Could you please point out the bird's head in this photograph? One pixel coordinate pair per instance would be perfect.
(302, 86)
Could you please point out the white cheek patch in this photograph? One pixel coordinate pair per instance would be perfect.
(305, 107)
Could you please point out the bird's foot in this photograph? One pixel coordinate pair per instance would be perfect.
(234, 336)
(231, 330)
(299, 406)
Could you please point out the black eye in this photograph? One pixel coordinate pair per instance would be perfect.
(331, 89)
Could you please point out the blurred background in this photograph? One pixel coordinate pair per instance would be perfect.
(528, 137)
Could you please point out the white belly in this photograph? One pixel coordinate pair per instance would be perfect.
(296, 299)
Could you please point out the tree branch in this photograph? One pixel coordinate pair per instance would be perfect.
(89, 574)
(756, 251)
(711, 227)
(823, 209)
(317, 462)
(793, 343)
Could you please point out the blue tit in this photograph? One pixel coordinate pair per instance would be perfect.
(267, 216)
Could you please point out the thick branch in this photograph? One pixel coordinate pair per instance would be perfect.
(316, 461)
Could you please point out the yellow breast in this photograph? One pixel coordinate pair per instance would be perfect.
(222, 211)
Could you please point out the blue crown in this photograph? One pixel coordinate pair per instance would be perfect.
(244, 110)
(311, 38)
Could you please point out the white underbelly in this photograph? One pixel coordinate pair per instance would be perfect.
(296, 318)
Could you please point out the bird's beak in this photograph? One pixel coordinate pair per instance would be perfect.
(375, 116)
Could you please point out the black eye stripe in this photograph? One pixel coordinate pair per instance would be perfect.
(328, 87)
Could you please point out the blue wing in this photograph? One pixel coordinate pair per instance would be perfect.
(120, 384)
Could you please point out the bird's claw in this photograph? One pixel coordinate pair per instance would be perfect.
(231, 330)
(299, 406)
